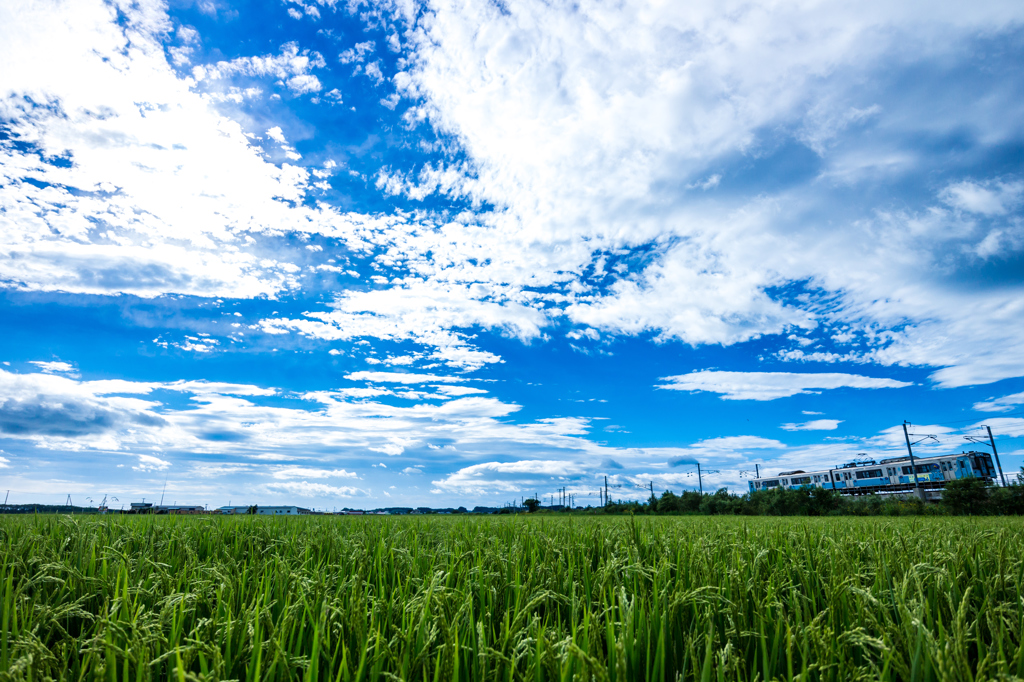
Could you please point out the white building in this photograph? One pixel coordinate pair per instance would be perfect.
(266, 511)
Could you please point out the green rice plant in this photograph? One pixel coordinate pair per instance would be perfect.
(510, 598)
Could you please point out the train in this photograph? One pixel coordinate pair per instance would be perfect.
(887, 476)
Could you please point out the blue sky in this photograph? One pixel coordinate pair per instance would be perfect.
(456, 253)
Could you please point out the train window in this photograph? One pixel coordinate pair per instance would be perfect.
(906, 470)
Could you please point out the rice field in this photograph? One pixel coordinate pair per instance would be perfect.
(510, 598)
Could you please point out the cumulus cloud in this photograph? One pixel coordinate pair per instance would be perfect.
(567, 120)
(989, 199)
(356, 53)
(291, 67)
(41, 406)
(771, 385)
(150, 463)
(117, 177)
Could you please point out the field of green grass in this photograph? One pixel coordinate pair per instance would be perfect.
(511, 598)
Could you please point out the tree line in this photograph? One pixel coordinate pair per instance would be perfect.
(965, 496)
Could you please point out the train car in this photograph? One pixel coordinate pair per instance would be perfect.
(894, 475)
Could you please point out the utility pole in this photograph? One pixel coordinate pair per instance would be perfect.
(606, 491)
(913, 465)
(700, 483)
(6, 496)
(757, 471)
(995, 453)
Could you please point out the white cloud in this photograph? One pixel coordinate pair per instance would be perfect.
(394, 447)
(311, 490)
(771, 385)
(291, 67)
(571, 118)
(289, 472)
(356, 53)
(425, 313)
(374, 73)
(591, 130)
(814, 425)
(1003, 404)
(991, 198)
(458, 390)
(727, 444)
(151, 463)
(157, 192)
(400, 378)
(53, 366)
(1002, 427)
(513, 477)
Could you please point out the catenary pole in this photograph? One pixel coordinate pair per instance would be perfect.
(700, 483)
(995, 453)
(913, 465)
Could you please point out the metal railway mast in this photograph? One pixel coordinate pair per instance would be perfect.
(995, 453)
(913, 465)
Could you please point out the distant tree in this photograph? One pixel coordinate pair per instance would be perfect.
(670, 503)
(966, 495)
(719, 503)
(823, 501)
(1008, 501)
(251, 510)
(531, 504)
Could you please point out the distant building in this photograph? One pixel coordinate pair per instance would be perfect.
(179, 509)
(279, 511)
(265, 511)
(150, 508)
